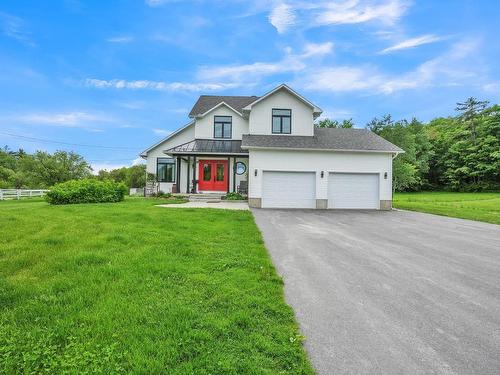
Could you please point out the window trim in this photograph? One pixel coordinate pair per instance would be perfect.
(223, 126)
(281, 120)
(170, 161)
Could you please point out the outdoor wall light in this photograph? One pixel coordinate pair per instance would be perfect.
(322, 174)
(255, 172)
(385, 175)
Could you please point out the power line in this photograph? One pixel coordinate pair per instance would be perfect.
(128, 159)
(33, 139)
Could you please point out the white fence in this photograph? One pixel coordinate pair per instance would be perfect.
(20, 193)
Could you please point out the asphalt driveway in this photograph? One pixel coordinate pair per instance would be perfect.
(390, 292)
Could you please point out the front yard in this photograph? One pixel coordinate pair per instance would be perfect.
(129, 287)
(472, 206)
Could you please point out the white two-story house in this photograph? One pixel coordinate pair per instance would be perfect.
(269, 147)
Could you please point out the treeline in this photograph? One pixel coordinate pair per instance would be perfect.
(460, 153)
(41, 169)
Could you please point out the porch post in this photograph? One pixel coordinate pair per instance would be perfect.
(194, 175)
(228, 165)
(187, 174)
(234, 174)
(178, 182)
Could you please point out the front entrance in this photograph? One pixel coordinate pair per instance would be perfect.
(213, 175)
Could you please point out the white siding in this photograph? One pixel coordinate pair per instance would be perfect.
(204, 127)
(318, 161)
(261, 114)
(184, 136)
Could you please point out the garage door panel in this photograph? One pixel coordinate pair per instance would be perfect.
(353, 190)
(289, 189)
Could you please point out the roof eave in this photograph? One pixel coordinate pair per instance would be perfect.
(168, 152)
(245, 147)
(316, 110)
(201, 115)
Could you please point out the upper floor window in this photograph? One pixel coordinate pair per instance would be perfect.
(222, 126)
(282, 121)
(165, 170)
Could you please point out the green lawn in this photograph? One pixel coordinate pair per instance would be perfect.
(132, 288)
(473, 206)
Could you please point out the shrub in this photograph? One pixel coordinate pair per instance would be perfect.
(86, 191)
(234, 197)
(161, 194)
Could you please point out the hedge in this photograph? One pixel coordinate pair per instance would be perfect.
(86, 191)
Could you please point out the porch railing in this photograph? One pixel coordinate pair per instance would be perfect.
(21, 193)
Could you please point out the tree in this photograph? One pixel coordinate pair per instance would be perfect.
(134, 176)
(328, 123)
(409, 169)
(44, 170)
(469, 113)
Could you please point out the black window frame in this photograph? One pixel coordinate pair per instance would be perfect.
(224, 124)
(281, 120)
(162, 161)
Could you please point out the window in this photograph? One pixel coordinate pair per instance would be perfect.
(165, 170)
(222, 126)
(282, 121)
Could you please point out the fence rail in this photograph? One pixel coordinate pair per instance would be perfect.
(20, 193)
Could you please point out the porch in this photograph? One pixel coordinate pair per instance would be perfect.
(210, 166)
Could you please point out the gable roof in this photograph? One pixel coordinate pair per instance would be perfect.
(207, 102)
(316, 110)
(327, 139)
(144, 153)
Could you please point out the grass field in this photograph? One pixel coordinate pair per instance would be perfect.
(473, 206)
(132, 288)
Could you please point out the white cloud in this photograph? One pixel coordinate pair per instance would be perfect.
(354, 11)
(245, 71)
(251, 72)
(159, 3)
(314, 49)
(69, 119)
(120, 39)
(138, 161)
(282, 17)
(491, 87)
(14, 27)
(449, 69)
(77, 119)
(110, 165)
(342, 78)
(155, 85)
(162, 132)
(291, 14)
(413, 42)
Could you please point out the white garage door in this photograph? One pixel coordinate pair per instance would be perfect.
(289, 190)
(353, 190)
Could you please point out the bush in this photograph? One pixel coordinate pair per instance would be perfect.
(161, 194)
(234, 197)
(86, 191)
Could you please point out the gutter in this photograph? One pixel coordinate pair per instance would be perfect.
(320, 149)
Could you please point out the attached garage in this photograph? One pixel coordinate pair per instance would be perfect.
(353, 190)
(288, 189)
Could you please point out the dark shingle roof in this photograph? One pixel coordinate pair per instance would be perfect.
(324, 139)
(207, 102)
(200, 146)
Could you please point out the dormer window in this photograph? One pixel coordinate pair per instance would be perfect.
(222, 126)
(282, 121)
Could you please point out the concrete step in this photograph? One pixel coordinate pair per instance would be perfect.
(212, 197)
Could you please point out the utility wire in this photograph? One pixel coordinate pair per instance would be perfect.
(33, 139)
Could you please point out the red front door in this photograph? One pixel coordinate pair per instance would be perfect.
(213, 175)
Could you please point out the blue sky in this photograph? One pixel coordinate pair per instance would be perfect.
(126, 73)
